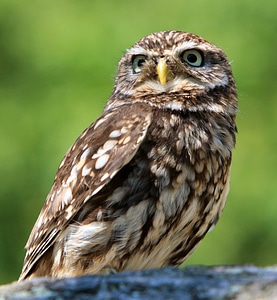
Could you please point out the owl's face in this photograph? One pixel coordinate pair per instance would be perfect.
(171, 62)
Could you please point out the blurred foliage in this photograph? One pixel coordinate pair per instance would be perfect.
(57, 64)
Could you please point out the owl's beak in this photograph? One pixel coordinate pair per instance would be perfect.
(162, 71)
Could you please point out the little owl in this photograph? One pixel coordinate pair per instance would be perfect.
(145, 182)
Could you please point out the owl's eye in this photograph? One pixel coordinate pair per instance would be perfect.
(137, 62)
(192, 57)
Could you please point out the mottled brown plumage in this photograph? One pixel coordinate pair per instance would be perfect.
(145, 182)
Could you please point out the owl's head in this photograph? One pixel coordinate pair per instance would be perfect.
(174, 63)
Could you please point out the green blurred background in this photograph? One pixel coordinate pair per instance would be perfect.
(57, 64)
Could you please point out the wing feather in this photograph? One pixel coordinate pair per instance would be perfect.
(92, 161)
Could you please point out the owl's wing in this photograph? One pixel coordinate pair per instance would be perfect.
(93, 160)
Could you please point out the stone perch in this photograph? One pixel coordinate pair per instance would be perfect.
(190, 283)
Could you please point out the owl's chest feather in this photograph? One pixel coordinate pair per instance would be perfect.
(174, 146)
(186, 165)
(191, 184)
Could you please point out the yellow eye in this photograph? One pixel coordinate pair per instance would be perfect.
(192, 57)
(138, 62)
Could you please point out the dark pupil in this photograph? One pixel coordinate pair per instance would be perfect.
(141, 62)
(192, 58)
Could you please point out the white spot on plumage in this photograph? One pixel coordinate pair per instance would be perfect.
(124, 130)
(73, 175)
(113, 173)
(105, 176)
(67, 196)
(109, 144)
(105, 148)
(80, 164)
(99, 122)
(115, 133)
(86, 170)
(101, 161)
(125, 140)
(85, 154)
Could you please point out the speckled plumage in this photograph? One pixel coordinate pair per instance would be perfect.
(146, 181)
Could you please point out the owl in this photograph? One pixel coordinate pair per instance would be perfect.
(145, 182)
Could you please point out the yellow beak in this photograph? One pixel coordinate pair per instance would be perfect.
(162, 71)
